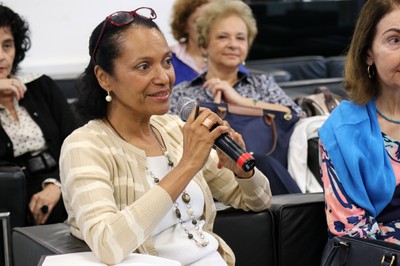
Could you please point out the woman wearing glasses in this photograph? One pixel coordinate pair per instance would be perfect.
(34, 120)
(135, 178)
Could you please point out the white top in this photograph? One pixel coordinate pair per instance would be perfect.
(169, 238)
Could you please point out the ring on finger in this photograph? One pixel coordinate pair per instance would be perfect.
(208, 123)
(44, 209)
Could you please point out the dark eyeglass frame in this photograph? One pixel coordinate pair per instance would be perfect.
(111, 19)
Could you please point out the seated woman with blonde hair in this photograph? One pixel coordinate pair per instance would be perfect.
(226, 30)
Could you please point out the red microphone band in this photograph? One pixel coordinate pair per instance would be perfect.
(243, 159)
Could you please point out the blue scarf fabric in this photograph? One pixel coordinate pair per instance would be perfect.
(353, 140)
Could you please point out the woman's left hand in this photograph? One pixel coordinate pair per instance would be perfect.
(49, 196)
(225, 161)
(229, 94)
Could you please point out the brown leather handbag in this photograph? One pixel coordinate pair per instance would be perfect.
(321, 102)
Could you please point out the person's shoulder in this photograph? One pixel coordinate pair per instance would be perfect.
(91, 130)
(256, 78)
(347, 113)
(346, 108)
(182, 85)
(29, 77)
(39, 81)
(187, 87)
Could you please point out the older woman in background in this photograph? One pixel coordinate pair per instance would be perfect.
(187, 58)
(226, 29)
(35, 118)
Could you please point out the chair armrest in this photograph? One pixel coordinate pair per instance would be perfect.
(300, 228)
(31, 242)
(249, 234)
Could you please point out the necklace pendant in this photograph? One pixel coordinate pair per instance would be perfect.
(205, 242)
(178, 213)
(185, 197)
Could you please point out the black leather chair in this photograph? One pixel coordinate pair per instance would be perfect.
(300, 229)
(335, 66)
(299, 67)
(278, 74)
(302, 88)
(249, 234)
(12, 207)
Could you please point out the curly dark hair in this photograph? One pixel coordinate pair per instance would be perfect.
(20, 31)
(91, 102)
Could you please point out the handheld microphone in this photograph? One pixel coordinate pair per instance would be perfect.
(224, 142)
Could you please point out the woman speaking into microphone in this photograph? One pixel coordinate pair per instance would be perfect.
(136, 179)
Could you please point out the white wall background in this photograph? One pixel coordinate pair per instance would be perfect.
(60, 30)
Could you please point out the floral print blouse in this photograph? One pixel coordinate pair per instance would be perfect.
(257, 86)
(344, 217)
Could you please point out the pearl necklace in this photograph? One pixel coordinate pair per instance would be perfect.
(387, 118)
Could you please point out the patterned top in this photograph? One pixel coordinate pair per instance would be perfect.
(112, 206)
(257, 86)
(344, 217)
(24, 133)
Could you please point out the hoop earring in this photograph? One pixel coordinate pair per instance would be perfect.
(371, 71)
(108, 97)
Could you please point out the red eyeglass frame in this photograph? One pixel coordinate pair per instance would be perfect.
(109, 18)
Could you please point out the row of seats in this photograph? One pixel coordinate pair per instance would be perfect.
(299, 76)
(292, 232)
(300, 67)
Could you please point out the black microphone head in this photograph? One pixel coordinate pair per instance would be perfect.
(185, 106)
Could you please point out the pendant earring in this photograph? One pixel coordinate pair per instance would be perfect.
(108, 97)
(205, 59)
(371, 71)
(244, 63)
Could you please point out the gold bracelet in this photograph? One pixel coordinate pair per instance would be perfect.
(254, 102)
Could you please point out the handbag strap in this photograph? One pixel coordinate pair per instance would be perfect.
(330, 101)
(269, 118)
(338, 253)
